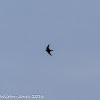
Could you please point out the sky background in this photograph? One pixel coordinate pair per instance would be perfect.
(71, 27)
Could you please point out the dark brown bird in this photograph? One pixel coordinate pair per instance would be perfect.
(48, 50)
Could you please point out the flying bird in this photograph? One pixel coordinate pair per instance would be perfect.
(48, 50)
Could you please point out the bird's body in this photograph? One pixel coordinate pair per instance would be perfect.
(48, 50)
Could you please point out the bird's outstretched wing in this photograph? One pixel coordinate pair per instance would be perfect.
(49, 52)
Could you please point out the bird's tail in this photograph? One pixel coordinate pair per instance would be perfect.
(51, 50)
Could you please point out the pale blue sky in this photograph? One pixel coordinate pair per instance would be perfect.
(71, 27)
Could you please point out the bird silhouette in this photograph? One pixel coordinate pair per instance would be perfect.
(48, 50)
